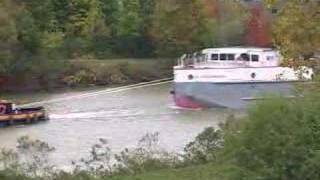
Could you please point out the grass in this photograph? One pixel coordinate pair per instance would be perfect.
(202, 172)
(199, 172)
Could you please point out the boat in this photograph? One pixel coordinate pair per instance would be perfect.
(233, 77)
(10, 114)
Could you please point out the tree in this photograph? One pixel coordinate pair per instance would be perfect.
(130, 20)
(296, 30)
(83, 15)
(42, 12)
(179, 27)
(129, 30)
(147, 11)
(258, 27)
(279, 139)
(231, 19)
(111, 13)
(147, 8)
(8, 35)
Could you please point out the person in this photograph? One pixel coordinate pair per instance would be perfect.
(7, 107)
(3, 106)
(245, 57)
(14, 108)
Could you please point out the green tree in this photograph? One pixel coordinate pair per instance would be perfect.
(296, 30)
(83, 15)
(230, 21)
(130, 20)
(42, 12)
(61, 12)
(147, 14)
(147, 11)
(179, 27)
(129, 33)
(110, 10)
(8, 35)
(279, 139)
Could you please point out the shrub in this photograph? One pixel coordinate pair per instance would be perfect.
(280, 139)
(205, 147)
(147, 156)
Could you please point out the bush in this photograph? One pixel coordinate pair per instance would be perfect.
(146, 157)
(205, 147)
(280, 139)
(115, 72)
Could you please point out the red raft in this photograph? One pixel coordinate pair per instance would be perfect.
(11, 115)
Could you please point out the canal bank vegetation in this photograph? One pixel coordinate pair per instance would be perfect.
(41, 40)
(116, 72)
(278, 139)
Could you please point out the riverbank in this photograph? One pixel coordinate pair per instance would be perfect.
(84, 73)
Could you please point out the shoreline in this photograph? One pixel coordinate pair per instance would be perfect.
(23, 97)
(84, 74)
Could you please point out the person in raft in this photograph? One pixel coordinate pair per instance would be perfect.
(7, 107)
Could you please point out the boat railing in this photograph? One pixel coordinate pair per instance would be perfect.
(199, 62)
(191, 60)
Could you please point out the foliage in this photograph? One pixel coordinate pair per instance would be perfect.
(99, 161)
(29, 159)
(34, 156)
(230, 21)
(179, 27)
(296, 29)
(147, 156)
(258, 27)
(205, 147)
(115, 72)
(278, 140)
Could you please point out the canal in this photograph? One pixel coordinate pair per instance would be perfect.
(121, 117)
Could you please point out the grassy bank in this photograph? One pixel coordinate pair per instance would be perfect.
(79, 73)
(203, 172)
(119, 71)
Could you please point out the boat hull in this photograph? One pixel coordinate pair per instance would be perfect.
(229, 95)
(23, 116)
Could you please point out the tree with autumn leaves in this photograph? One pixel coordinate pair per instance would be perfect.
(258, 31)
(180, 27)
(296, 27)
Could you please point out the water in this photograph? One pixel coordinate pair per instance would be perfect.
(122, 118)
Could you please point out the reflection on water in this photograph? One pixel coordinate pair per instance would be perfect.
(122, 118)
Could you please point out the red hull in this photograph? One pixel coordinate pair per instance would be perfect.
(187, 102)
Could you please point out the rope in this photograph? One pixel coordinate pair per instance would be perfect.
(106, 91)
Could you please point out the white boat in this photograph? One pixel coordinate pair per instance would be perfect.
(232, 77)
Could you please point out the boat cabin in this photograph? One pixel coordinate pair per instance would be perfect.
(230, 57)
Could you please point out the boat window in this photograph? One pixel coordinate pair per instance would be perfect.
(254, 58)
(223, 57)
(245, 57)
(231, 57)
(215, 57)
